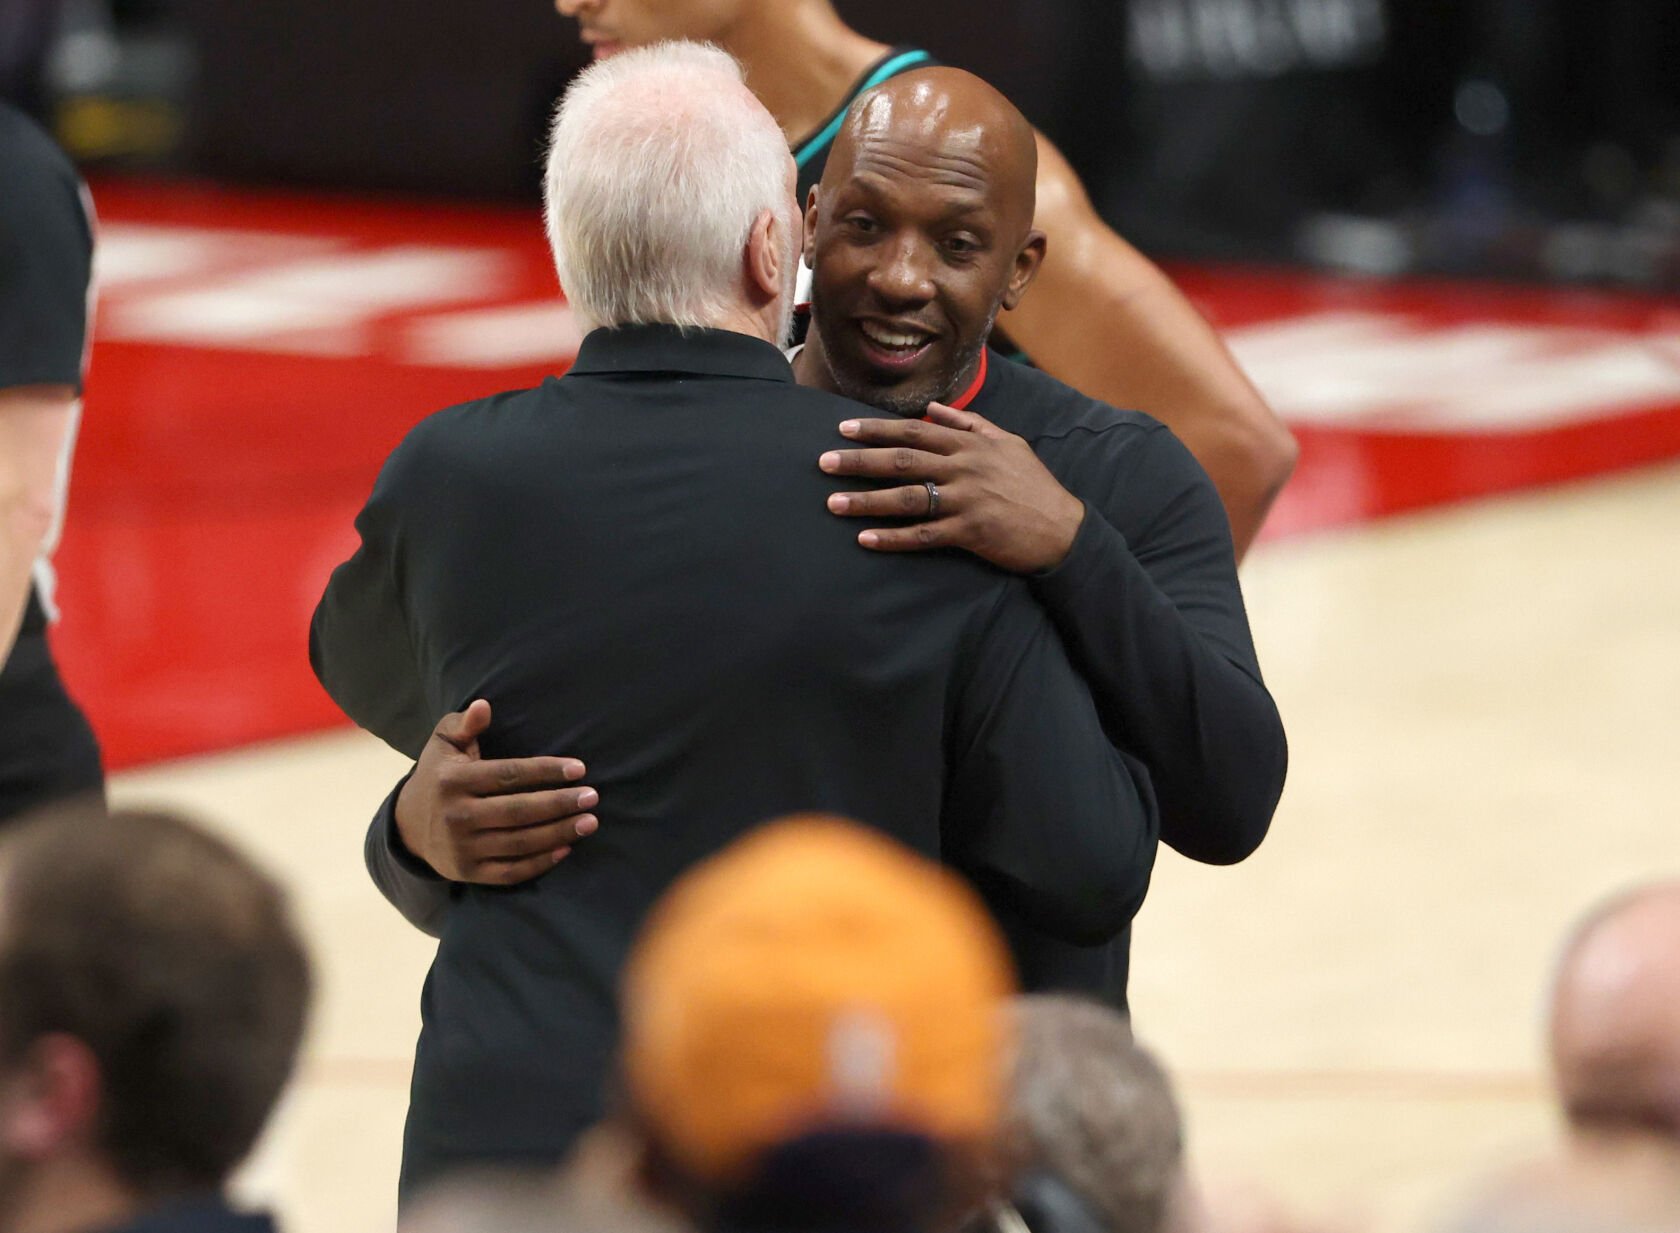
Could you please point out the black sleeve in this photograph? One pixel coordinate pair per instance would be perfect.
(360, 644)
(46, 259)
(1054, 824)
(410, 885)
(1156, 624)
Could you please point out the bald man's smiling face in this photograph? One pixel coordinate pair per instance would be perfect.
(918, 235)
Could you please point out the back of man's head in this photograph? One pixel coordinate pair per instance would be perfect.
(814, 1035)
(1092, 1129)
(1615, 1015)
(660, 164)
(154, 988)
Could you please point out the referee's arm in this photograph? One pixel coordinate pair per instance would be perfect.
(46, 264)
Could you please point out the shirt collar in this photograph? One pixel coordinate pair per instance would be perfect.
(671, 349)
(981, 373)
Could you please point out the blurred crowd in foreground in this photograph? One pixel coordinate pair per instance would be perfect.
(819, 1037)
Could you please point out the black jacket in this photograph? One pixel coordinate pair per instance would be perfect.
(634, 564)
(1148, 605)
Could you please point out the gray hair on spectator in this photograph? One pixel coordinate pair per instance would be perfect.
(1091, 1108)
(660, 161)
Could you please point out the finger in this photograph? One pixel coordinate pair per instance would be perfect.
(965, 421)
(900, 463)
(919, 538)
(950, 417)
(534, 840)
(530, 809)
(909, 502)
(934, 438)
(505, 776)
(462, 729)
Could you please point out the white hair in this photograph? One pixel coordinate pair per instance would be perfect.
(660, 161)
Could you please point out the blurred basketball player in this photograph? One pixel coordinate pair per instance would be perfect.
(1101, 317)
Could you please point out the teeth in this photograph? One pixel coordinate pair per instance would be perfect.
(892, 338)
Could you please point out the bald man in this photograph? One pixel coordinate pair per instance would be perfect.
(1615, 1016)
(920, 233)
(1105, 319)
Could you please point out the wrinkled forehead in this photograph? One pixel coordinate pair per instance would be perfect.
(917, 132)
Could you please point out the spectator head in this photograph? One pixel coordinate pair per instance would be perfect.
(670, 195)
(814, 1035)
(1615, 1015)
(1092, 1131)
(153, 990)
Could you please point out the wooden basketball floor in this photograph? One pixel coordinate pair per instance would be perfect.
(1482, 697)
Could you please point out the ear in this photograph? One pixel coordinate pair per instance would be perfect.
(1027, 262)
(810, 241)
(50, 1100)
(764, 258)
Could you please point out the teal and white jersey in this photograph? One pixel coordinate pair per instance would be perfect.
(811, 153)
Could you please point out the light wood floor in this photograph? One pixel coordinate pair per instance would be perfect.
(1484, 714)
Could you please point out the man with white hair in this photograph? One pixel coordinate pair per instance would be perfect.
(635, 563)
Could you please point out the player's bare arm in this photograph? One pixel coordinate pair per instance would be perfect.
(1105, 320)
(33, 422)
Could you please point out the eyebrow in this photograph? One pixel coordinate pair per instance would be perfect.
(979, 203)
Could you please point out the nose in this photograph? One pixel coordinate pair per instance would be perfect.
(904, 275)
(571, 8)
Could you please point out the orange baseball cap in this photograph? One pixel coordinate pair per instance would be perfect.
(814, 976)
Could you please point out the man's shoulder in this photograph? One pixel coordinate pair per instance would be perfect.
(42, 188)
(1127, 462)
(769, 419)
(479, 426)
(502, 409)
(1032, 404)
(27, 151)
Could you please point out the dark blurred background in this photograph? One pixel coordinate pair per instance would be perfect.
(1514, 138)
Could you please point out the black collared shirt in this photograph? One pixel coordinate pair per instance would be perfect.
(635, 565)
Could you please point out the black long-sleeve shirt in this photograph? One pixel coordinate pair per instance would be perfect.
(1148, 603)
(634, 564)
(1149, 606)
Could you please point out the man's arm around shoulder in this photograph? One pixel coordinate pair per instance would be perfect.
(460, 818)
(1154, 618)
(1041, 809)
